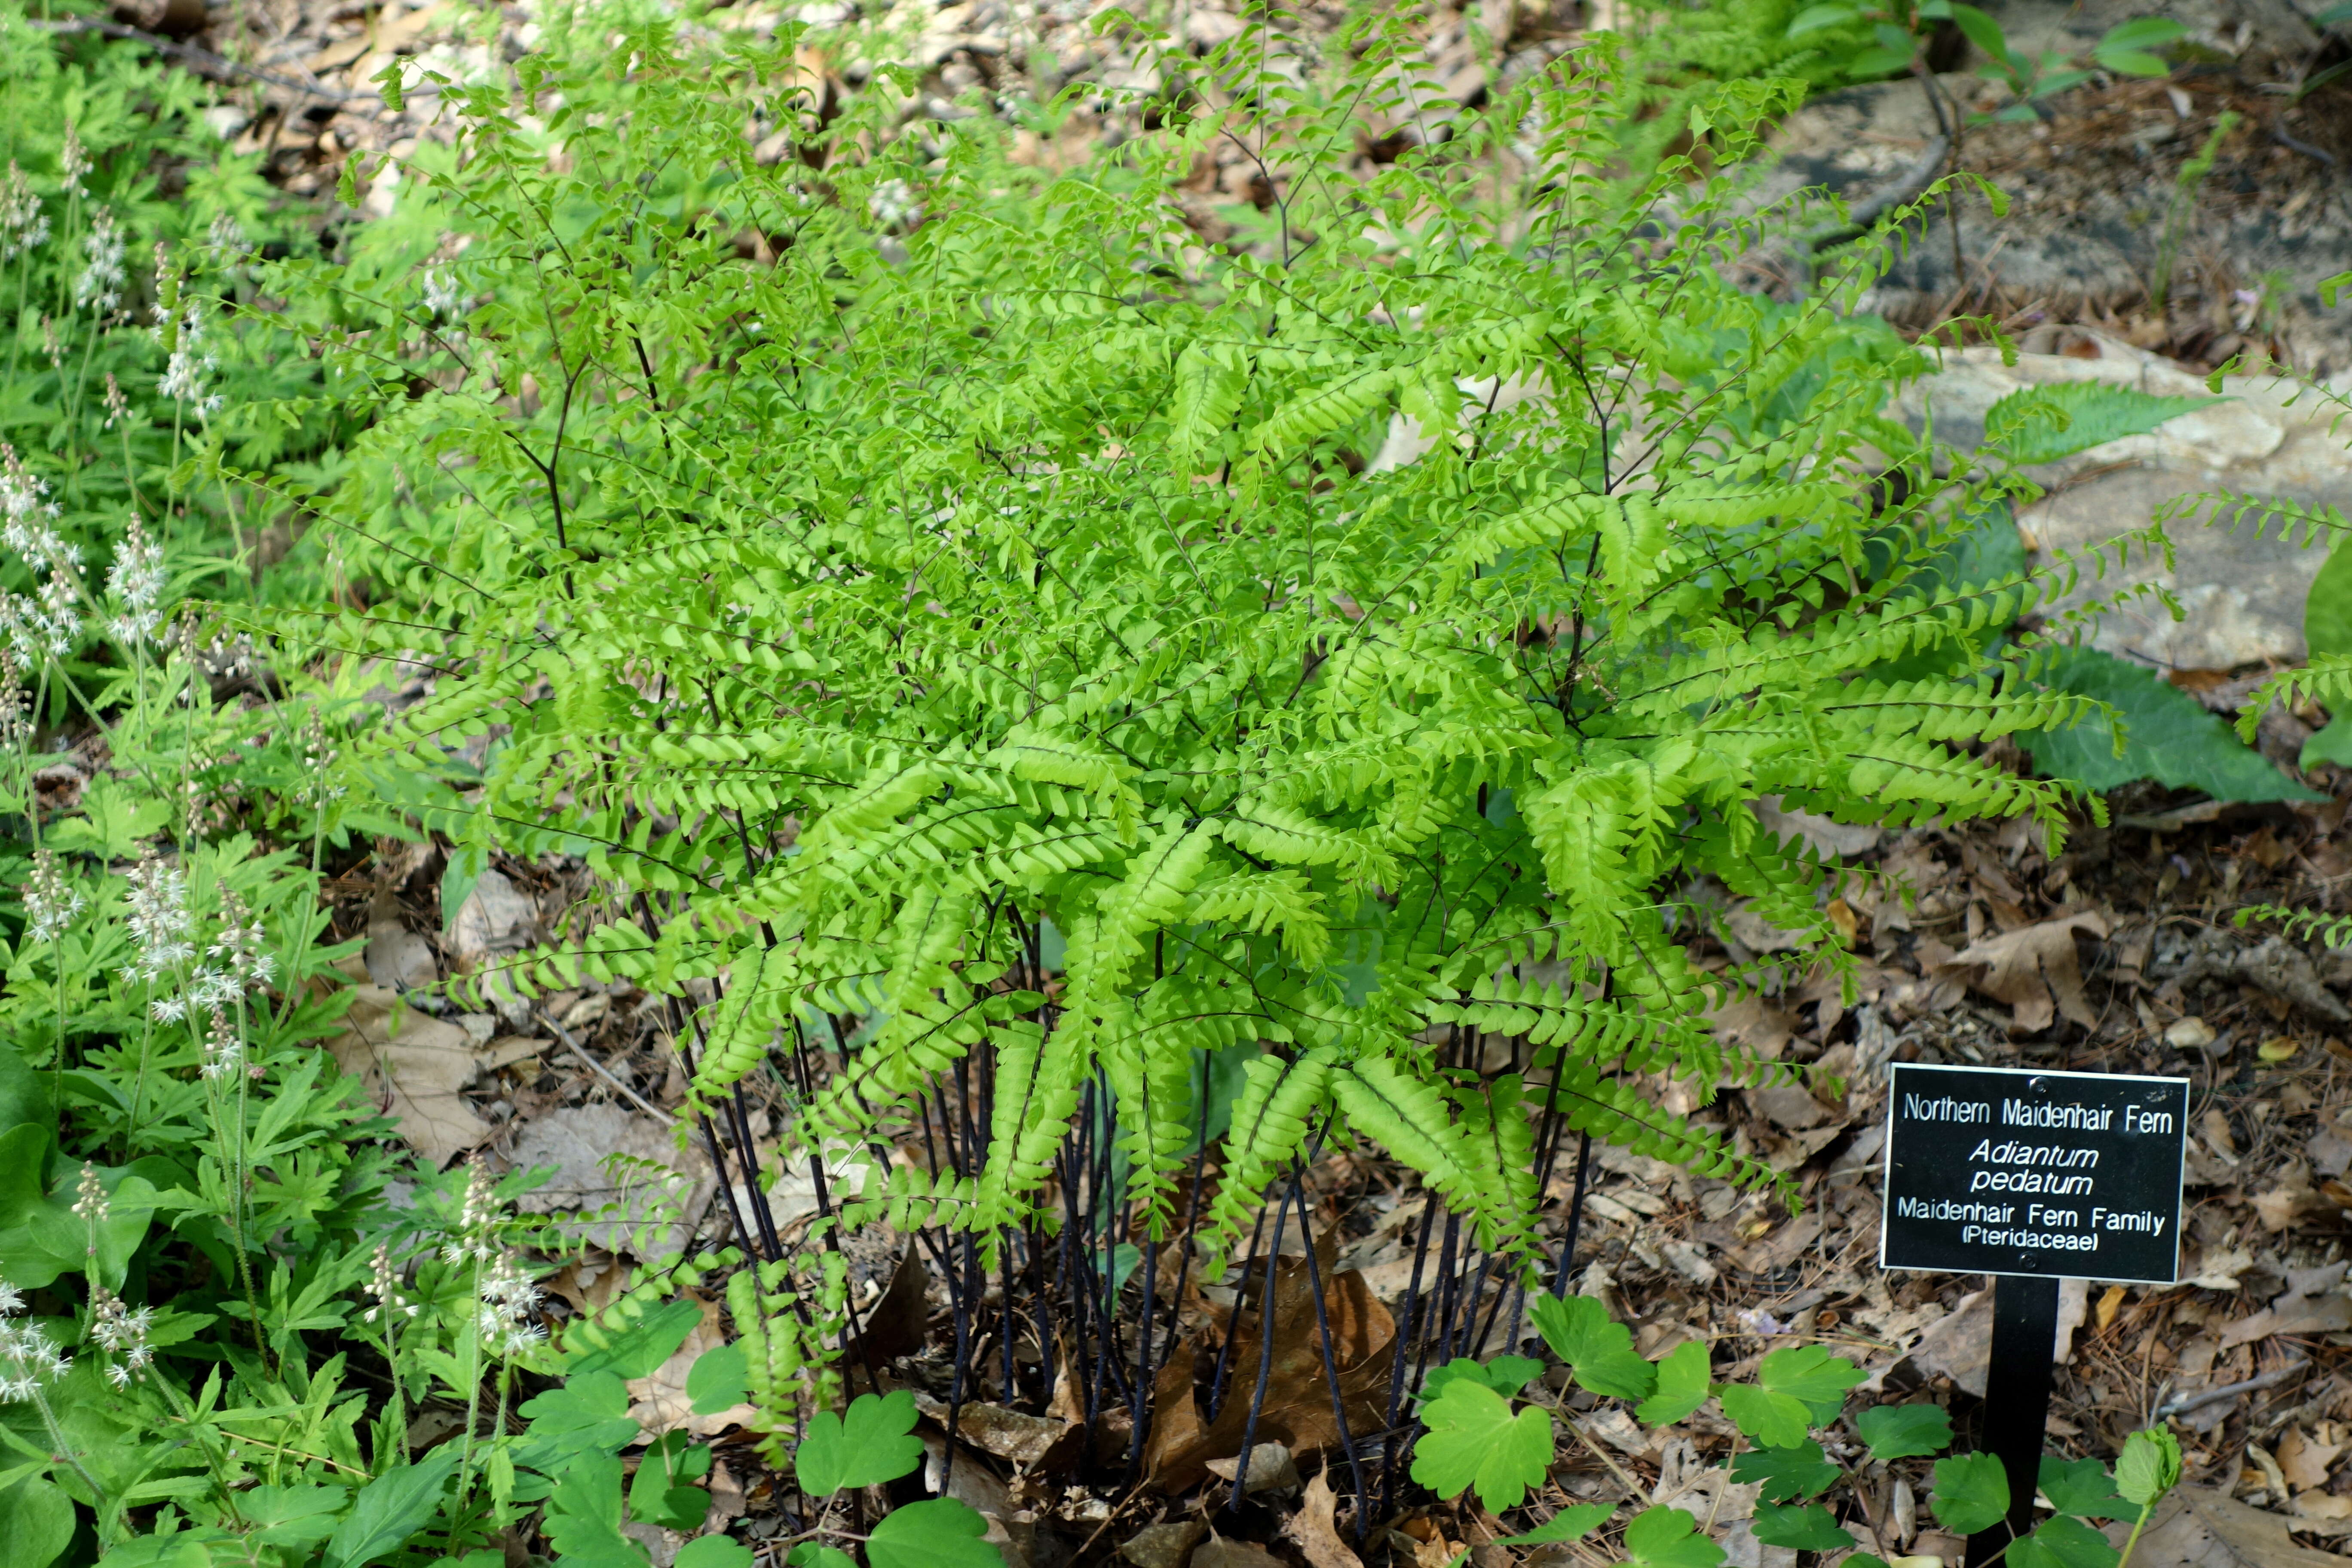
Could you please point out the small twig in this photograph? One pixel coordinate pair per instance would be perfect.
(2305, 148)
(2186, 1403)
(203, 59)
(601, 1070)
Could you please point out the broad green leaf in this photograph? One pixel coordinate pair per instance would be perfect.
(718, 1379)
(396, 1506)
(872, 1443)
(941, 1534)
(1573, 1522)
(1786, 1474)
(2337, 285)
(36, 1522)
(2043, 424)
(718, 1552)
(1599, 1352)
(114, 819)
(2332, 745)
(1971, 1492)
(1682, 1385)
(1669, 1538)
(1820, 18)
(2168, 737)
(1473, 1440)
(582, 1519)
(2327, 611)
(1811, 1376)
(662, 1492)
(2062, 1541)
(1506, 1374)
(1808, 1527)
(290, 1516)
(2081, 1487)
(810, 1555)
(1905, 1431)
(1772, 1420)
(2148, 1467)
(633, 1350)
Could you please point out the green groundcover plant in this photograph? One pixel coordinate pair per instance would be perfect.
(939, 594)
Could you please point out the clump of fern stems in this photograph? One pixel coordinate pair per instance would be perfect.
(988, 638)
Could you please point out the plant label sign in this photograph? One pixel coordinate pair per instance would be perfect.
(1997, 1171)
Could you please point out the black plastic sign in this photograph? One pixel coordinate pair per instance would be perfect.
(2067, 1175)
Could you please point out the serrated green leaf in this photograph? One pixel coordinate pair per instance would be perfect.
(1786, 1474)
(1905, 1431)
(1668, 1538)
(873, 1443)
(394, 1507)
(37, 1521)
(810, 1555)
(2168, 737)
(2148, 1467)
(1681, 1384)
(2082, 1488)
(1573, 1522)
(1473, 1440)
(1771, 1420)
(2327, 610)
(1808, 1527)
(1599, 1352)
(2043, 424)
(635, 1349)
(941, 1534)
(1971, 1492)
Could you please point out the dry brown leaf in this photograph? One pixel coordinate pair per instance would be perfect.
(1296, 1411)
(2311, 1304)
(1271, 1470)
(2030, 967)
(2198, 1527)
(2111, 1300)
(414, 1072)
(1315, 1530)
(1218, 1552)
(1031, 1442)
(1163, 1545)
(898, 1322)
(2306, 1462)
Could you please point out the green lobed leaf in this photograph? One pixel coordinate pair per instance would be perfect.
(2148, 1467)
(1971, 1493)
(1473, 1440)
(1681, 1385)
(720, 1378)
(1811, 1376)
(872, 1443)
(1786, 1474)
(36, 1522)
(2082, 1488)
(2064, 1542)
(1905, 1431)
(1573, 1522)
(718, 1552)
(1771, 1420)
(1506, 1374)
(1669, 1538)
(943, 1532)
(1599, 1352)
(1808, 1527)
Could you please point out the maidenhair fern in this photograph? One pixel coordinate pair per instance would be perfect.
(1341, 649)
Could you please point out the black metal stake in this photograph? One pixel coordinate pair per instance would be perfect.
(2017, 1401)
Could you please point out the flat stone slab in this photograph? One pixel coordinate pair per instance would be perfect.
(2241, 588)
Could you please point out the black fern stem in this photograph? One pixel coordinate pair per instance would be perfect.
(1140, 1396)
(750, 1153)
(961, 1301)
(1394, 1442)
(1575, 1214)
(1330, 1359)
(1217, 1377)
(1265, 1354)
(1005, 1243)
